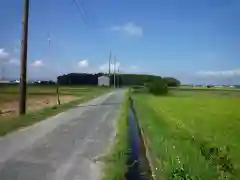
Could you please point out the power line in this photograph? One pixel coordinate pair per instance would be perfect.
(80, 12)
(83, 8)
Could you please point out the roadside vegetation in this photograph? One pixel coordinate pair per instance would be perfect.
(158, 87)
(115, 160)
(191, 134)
(41, 103)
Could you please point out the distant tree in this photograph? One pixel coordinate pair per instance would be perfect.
(121, 79)
(210, 86)
(171, 82)
(51, 82)
(158, 87)
(78, 79)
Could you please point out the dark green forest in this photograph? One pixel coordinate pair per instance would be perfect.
(121, 79)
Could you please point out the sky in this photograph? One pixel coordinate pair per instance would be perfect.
(196, 41)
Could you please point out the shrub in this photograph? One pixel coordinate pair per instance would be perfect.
(158, 87)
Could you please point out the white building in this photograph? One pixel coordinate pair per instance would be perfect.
(103, 81)
(4, 82)
(15, 81)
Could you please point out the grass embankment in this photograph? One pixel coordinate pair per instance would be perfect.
(81, 94)
(115, 160)
(191, 136)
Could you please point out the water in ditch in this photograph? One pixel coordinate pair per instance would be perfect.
(137, 163)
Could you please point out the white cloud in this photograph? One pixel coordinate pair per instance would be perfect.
(130, 29)
(105, 67)
(17, 47)
(37, 63)
(83, 63)
(133, 67)
(14, 62)
(220, 74)
(4, 56)
(17, 50)
(7, 58)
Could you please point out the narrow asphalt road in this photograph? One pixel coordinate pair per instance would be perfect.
(63, 147)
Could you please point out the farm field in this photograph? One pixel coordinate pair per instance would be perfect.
(192, 134)
(41, 102)
(205, 88)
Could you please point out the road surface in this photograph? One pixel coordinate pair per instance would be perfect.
(63, 147)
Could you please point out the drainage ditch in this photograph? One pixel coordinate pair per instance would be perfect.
(137, 162)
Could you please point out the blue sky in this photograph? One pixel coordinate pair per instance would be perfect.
(196, 41)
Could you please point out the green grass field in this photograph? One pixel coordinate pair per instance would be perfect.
(44, 98)
(205, 88)
(192, 134)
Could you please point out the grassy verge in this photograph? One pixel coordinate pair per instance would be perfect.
(191, 137)
(115, 160)
(7, 125)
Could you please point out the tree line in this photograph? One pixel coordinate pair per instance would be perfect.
(121, 79)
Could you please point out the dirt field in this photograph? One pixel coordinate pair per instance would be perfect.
(38, 97)
(41, 103)
(34, 103)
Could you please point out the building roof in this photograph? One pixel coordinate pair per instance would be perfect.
(100, 77)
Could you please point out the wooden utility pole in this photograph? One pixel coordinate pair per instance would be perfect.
(57, 86)
(23, 70)
(109, 64)
(109, 69)
(2, 73)
(114, 72)
(58, 99)
(118, 78)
